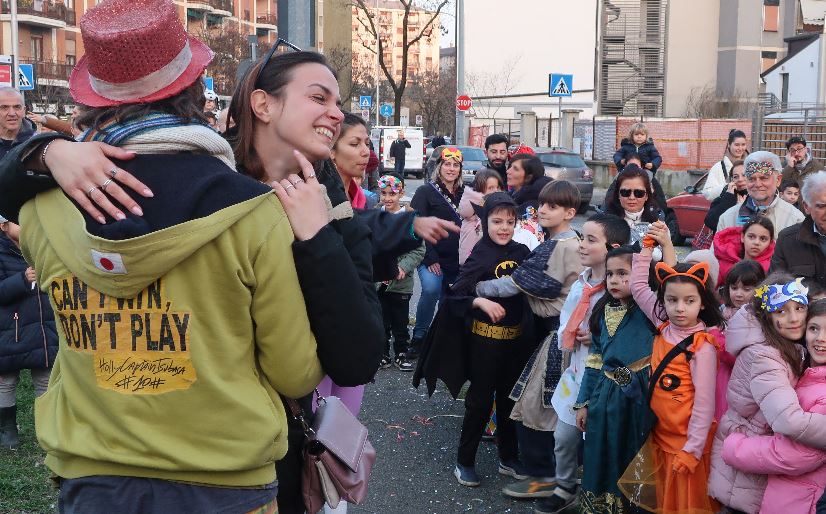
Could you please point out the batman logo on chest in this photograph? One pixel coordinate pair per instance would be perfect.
(505, 269)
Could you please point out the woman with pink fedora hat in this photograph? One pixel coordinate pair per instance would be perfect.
(198, 283)
(77, 166)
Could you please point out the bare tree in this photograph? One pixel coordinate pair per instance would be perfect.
(433, 96)
(367, 18)
(492, 86)
(341, 60)
(230, 47)
(706, 102)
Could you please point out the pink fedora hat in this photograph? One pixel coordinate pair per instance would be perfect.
(137, 51)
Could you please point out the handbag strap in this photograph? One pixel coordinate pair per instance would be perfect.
(681, 347)
(298, 413)
(725, 171)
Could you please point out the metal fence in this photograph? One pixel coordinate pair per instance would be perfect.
(547, 130)
(683, 143)
(772, 128)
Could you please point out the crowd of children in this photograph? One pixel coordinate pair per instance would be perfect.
(680, 387)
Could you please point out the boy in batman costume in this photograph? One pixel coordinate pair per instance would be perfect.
(465, 344)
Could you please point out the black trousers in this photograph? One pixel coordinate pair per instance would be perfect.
(493, 367)
(395, 308)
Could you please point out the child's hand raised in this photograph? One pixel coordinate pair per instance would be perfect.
(494, 311)
(583, 336)
(659, 233)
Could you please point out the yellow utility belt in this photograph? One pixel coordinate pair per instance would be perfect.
(480, 328)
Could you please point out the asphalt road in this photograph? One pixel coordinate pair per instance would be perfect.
(416, 438)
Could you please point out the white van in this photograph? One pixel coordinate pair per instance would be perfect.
(383, 136)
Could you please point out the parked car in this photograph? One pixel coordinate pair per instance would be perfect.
(473, 159)
(691, 208)
(561, 163)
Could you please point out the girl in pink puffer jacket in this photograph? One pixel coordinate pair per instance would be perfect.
(797, 473)
(486, 181)
(761, 394)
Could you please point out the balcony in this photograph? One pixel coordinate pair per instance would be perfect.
(41, 13)
(50, 73)
(267, 21)
(215, 7)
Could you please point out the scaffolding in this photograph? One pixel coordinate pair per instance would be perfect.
(632, 60)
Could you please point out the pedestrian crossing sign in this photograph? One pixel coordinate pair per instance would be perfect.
(25, 77)
(560, 85)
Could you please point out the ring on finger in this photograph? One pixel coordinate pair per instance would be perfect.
(90, 191)
(296, 182)
(311, 175)
(113, 172)
(288, 187)
(105, 183)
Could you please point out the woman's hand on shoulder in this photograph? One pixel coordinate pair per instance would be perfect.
(303, 200)
(85, 172)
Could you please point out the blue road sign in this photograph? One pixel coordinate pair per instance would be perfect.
(560, 85)
(209, 83)
(25, 77)
(365, 102)
(386, 110)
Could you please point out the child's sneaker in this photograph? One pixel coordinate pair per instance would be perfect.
(466, 475)
(404, 364)
(531, 487)
(385, 362)
(512, 468)
(560, 500)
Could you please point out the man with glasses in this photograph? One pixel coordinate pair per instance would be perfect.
(762, 170)
(14, 127)
(799, 161)
(801, 248)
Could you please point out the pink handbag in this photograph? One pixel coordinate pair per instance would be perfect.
(338, 457)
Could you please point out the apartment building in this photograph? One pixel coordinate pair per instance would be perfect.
(49, 36)
(655, 53)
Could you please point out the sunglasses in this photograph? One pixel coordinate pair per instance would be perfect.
(638, 193)
(279, 42)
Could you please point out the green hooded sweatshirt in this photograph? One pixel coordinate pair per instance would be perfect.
(174, 344)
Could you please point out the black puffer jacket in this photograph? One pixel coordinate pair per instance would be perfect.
(28, 339)
(647, 151)
(429, 201)
(528, 196)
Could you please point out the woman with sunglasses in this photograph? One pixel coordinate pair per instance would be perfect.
(633, 200)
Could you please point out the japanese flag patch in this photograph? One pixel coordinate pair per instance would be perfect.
(109, 262)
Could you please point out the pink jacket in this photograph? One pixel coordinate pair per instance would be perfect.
(724, 365)
(761, 400)
(797, 473)
(728, 248)
(471, 231)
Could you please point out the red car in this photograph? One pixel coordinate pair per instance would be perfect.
(691, 208)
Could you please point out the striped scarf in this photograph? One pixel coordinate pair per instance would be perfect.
(159, 133)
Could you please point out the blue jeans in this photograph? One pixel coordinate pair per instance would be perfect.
(431, 291)
(399, 166)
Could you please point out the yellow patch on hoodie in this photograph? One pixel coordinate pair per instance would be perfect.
(139, 345)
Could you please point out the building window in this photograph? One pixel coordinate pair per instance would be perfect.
(771, 17)
(37, 48)
(71, 60)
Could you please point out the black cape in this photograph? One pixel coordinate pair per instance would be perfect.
(444, 350)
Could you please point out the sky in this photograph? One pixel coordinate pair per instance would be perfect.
(449, 23)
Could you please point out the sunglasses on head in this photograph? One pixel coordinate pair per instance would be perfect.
(275, 46)
(638, 193)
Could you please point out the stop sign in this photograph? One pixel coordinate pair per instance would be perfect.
(463, 102)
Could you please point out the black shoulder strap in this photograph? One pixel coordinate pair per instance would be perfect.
(725, 171)
(681, 347)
